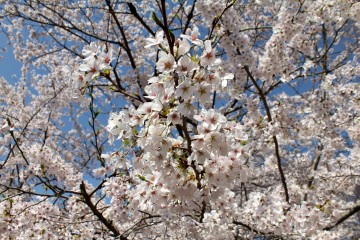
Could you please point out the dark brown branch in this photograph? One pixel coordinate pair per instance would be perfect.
(106, 222)
(26, 126)
(214, 100)
(328, 47)
(126, 44)
(142, 222)
(187, 136)
(166, 27)
(189, 17)
(17, 145)
(217, 19)
(203, 210)
(353, 211)
(314, 168)
(232, 110)
(277, 152)
(137, 16)
(26, 192)
(248, 227)
(93, 127)
(101, 184)
(255, 230)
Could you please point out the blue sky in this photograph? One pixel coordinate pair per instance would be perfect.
(8, 65)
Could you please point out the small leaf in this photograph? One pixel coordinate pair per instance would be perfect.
(126, 142)
(95, 76)
(193, 58)
(244, 142)
(166, 111)
(311, 187)
(112, 88)
(172, 36)
(142, 178)
(156, 19)
(106, 72)
(134, 131)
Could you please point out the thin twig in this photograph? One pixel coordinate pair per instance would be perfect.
(277, 152)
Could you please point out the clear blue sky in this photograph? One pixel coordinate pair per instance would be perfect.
(8, 65)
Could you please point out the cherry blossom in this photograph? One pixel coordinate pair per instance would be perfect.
(183, 47)
(166, 62)
(193, 37)
(180, 120)
(208, 57)
(158, 39)
(186, 65)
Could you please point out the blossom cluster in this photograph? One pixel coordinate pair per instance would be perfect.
(181, 120)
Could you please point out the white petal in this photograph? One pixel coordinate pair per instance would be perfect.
(224, 83)
(156, 106)
(208, 46)
(229, 76)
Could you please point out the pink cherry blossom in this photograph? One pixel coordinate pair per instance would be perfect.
(158, 39)
(166, 63)
(208, 57)
(233, 120)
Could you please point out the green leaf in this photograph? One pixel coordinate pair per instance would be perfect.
(112, 88)
(172, 36)
(142, 178)
(166, 111)
(244, 142)
(95, 76)
(134, 131)
(193, 58)
(126, 142)
(43, 170)
(106, 72)
(213, 39)
(156, 19)
(311, 187)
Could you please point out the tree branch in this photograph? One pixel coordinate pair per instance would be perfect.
(126, 44)
(277, 152)
(353, 211)
(106, 222)
(137, 16)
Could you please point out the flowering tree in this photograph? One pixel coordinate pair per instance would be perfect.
(181, 120)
